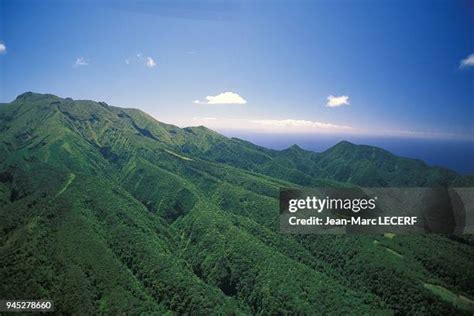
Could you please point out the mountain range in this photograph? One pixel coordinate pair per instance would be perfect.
(107, 210)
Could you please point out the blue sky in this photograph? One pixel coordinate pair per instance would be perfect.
(399, 68)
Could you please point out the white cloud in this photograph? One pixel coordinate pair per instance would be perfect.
(139, 58)
(150, 63)
(334, 101)
(223, 98)
(3, 48)
(80, 61)
(467, 62)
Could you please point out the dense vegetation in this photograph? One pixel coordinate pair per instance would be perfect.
(106, 210)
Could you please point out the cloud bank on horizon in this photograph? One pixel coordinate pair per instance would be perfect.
(297, 124)
(301, 126)
(267, 125)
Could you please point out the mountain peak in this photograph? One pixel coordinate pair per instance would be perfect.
(201, 129)
(343, 146)
(26, 95)
(344, 143)
(33, 96)
(295, 147)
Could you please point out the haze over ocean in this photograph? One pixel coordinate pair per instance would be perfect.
(457, 155)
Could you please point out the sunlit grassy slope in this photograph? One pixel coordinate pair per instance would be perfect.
(106, 210)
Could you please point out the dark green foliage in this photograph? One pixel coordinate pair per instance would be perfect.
(105, 210)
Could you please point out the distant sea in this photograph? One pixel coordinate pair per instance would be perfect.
(452, 154)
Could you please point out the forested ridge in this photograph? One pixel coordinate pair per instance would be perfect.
(106, 210)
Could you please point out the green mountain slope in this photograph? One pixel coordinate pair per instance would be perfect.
(345, 162)
(111, 208)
